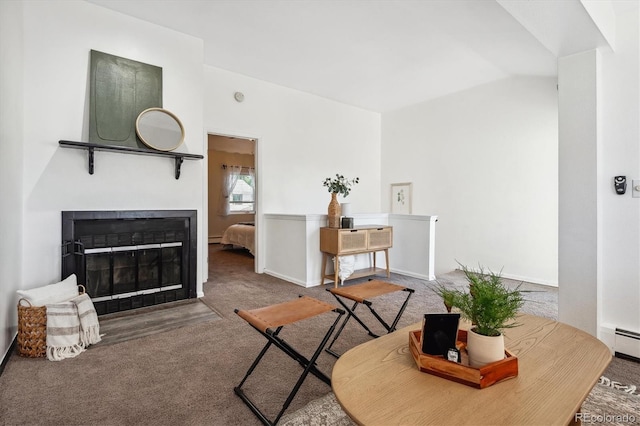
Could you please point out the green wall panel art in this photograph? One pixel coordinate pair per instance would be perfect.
(120, 89)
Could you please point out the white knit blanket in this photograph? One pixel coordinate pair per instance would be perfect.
(89, 326)
(71, 327)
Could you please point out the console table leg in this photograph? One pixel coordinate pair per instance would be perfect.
(386, 259)
(324, 267)
(337, 271)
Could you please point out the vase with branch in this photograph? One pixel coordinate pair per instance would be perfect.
(339, 185)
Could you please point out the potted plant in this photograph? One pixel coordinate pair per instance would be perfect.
(491, 307)
(338, 185)
(447, 294)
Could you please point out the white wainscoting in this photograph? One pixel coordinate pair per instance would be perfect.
(292, 246)
(414, 239)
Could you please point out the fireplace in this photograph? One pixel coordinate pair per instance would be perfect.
(131, 259)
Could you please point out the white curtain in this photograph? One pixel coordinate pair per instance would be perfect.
(229, 179)
(252, 174)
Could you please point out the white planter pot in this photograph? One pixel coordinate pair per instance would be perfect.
(484, 350)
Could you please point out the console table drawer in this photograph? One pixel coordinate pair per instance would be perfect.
(338, 241)
(354, 240)
(380, 238)
(343, 241)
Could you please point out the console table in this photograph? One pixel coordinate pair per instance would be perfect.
(361, 239)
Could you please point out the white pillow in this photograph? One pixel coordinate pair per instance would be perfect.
(52, 293)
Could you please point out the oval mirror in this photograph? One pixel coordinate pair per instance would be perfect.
(159, 129)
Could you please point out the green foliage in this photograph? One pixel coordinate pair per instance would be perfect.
(248, 179)
(340, 184)
(448, 296)
(489, 305)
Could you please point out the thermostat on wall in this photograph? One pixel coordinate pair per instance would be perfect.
(620, 184)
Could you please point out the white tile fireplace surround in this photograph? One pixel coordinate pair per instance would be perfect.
(131, 259)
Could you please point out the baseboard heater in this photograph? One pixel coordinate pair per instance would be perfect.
(627, 344)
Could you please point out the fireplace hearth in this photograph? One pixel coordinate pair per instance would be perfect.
(131, 259)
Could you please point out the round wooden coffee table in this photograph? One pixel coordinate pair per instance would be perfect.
(378, 382)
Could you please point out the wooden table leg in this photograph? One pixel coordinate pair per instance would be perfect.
(324, 268)
(386, 258)
(337, 271)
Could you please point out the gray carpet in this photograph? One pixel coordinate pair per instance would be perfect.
(186, 375)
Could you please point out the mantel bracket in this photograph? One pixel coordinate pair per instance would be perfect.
(90, 150)
(179, 161)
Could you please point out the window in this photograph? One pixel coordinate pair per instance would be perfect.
(242, 198)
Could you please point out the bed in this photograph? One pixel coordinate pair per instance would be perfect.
(240, 234)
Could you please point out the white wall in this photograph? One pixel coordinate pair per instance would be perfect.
(578, 80)
(485, 162)
(53, 91)
(619, 154)
(599, 262)
(302, 139)
(11, 137)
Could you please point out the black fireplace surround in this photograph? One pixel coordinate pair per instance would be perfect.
(131, 259)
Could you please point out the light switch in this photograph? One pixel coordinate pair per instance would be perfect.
(635, 188)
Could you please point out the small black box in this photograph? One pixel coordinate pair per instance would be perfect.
(347, 223)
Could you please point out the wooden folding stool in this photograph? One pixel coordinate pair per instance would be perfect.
(360, 294)
(269, 321)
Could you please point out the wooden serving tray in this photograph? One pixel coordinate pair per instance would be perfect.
(462, 373)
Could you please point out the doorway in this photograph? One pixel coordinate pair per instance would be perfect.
(232, 194)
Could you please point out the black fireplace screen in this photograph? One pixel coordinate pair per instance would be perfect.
(122, 270)
(128, 260)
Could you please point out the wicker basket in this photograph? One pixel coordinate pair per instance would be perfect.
(32, 330)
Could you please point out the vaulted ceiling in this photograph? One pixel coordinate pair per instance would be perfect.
(379, 55)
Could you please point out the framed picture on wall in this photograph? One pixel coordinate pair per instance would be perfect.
(401, 198)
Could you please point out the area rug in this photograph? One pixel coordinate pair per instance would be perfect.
(630, 389)
(324, 411)
(607, 403)
(611, 403)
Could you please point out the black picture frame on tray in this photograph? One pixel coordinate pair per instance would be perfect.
(439, 333)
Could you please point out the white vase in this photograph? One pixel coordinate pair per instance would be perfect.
(346, 209)
(484, 350)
